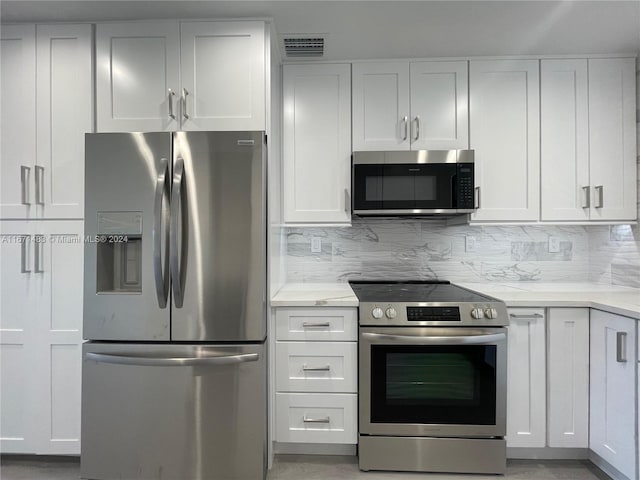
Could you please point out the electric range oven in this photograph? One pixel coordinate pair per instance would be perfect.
(432, 378)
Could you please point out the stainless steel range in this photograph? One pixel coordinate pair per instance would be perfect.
(433, 377)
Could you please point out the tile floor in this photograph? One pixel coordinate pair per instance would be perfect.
(312, 467)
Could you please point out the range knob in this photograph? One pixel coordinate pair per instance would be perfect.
(391, 312)
(491, 312)
(377, 312)
(477, 313)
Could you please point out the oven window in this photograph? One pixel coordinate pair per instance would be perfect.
(433, 384)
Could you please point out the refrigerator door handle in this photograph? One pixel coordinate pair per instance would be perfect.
(172, 361)
(159, 219)
(176, 211)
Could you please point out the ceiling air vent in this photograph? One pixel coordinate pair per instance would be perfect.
(304, 47)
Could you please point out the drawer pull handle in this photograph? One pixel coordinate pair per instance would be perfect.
(532, 315)
(326, 368)
(326, 419)
(315, 325)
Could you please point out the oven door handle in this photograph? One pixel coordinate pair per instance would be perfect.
(439, 340)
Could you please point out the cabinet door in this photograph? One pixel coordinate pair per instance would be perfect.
(317, 143)
(564, 140)
(526, 379)
(18, 133)
(223, 75)
(137, 68)
(64, 115)
(613, 390)
(381, 106)
(18, 370)
(58, 272)
(439, 106)
(612, 138)
(568, 368)
(505, 133)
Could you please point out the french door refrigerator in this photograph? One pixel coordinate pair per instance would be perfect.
(174, 373)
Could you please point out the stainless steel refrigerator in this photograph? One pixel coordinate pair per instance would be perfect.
(174, 375)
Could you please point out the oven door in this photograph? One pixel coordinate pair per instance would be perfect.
(404, 188)
(444, 382)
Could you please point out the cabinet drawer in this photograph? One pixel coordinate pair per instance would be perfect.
(311, 324)
(316, 418)
(316, 366)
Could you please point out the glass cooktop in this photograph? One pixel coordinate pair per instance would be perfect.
(414, 291)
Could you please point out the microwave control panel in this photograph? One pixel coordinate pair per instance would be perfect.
(465, 185)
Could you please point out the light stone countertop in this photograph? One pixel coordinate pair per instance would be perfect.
(620, 300)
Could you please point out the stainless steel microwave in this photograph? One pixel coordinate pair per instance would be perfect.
(414, 183)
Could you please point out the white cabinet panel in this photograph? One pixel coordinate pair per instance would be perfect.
(223, 75)
(381, 106)
(64, 115)
(136, 65)
(613, 390)
(564, 154)
(568, 369)
(439, 106)
(316, 418)
(612, 138)
(526, 379)
(505, 133)
(316, 367)
(317, 324)
(317, 143)
(18, 127)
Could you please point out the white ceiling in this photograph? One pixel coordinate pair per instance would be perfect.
(391, 29)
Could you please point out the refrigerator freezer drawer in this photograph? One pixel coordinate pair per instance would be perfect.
(174, 411)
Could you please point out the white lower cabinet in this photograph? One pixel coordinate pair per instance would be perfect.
(316, 375)
(613, 391)
(41, 336)
(568, 370)
(526, 378)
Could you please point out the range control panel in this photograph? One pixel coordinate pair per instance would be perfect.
(433, 314)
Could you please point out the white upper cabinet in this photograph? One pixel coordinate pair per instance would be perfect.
(564, 140)
(46, 110)
(612, 138)
(317, 143)
(505, 134)
(410, 106)
(64, 114)
(18, 132)
(439, 105)
(381, 106)
(137, 76)
(223, 75)
(588, 140)
(165, 76)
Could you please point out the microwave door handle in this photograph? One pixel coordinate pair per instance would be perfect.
(438, 340)
(161, 275)
(176, 216)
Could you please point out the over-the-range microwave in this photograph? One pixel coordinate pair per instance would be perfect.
(413, 183)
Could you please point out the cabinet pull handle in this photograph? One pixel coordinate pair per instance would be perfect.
(587, 196)
(39, 185)
(347, 202)
(39, 254)
(476, 200)
(417, 120)
(23, 254)
(531, 315)
(326, 368)
(24, 173)
(315, 325)
(326, 419)
(405, 122)
(600, 192)
(621, 347)
(171, 95)
(185, 93)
